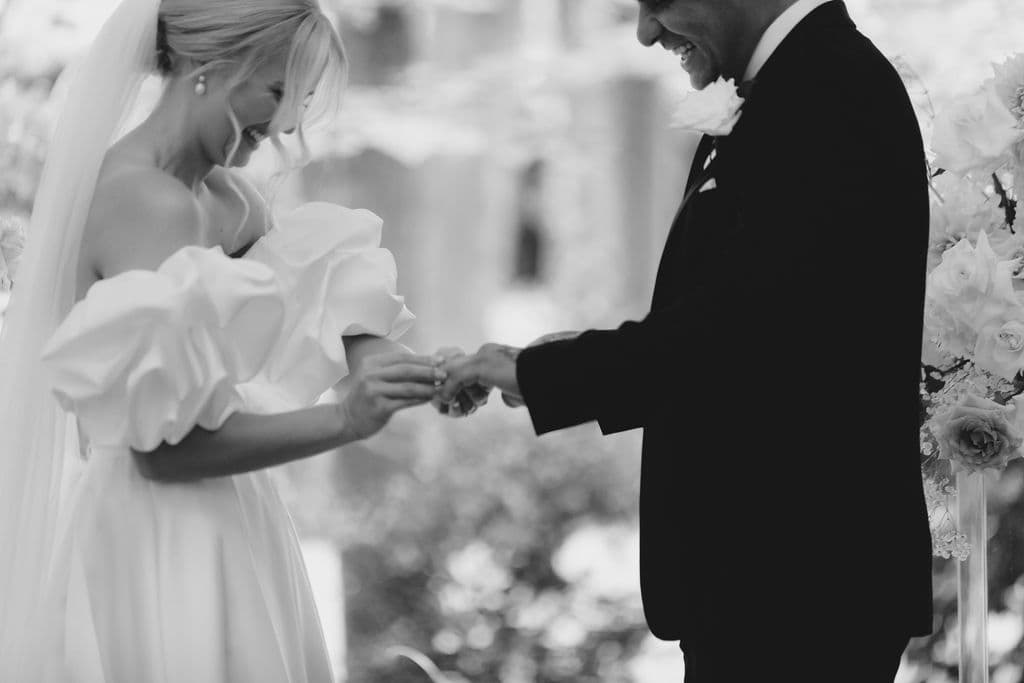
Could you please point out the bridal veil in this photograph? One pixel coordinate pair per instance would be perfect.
(100, 93)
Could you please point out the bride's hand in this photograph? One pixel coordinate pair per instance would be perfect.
(385, 384)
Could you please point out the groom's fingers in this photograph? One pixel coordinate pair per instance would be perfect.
(466, 404)
(450, 352)
(512, 401)
(478, 393)
(461, 372)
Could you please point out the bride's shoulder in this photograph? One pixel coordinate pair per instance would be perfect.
(139, 216)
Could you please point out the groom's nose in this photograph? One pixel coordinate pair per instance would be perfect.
(647, 27)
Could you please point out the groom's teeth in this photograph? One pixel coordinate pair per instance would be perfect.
(684, 51)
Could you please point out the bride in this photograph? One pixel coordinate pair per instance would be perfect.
(182, 373)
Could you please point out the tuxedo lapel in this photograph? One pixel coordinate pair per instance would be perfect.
(679, 259)
(698, 176)
(697, 173)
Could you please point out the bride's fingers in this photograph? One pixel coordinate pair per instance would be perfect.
(384, 360)
(407, 390)
(395, 405)
(412, 373)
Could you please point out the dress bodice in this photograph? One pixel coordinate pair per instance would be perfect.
(146, 356)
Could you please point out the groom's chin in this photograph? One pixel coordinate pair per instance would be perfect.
(702, 78)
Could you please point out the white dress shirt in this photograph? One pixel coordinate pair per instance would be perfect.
(777, 32)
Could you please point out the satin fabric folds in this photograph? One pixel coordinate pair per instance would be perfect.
(203, 581)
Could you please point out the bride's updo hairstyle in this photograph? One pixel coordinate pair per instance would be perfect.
(239, 36)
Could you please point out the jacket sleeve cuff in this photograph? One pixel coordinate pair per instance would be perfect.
(555, 386)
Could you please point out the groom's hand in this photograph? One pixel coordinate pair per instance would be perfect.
(492, 366)
(468, 398)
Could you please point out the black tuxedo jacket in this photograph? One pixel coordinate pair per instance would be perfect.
(776, 376)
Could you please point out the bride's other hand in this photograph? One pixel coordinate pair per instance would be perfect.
(384, 385)
(468, 399)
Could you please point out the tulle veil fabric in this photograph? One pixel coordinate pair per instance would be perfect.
(100, 94)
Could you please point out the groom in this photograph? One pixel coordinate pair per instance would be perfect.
(783, 526)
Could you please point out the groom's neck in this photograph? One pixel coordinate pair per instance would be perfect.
(760, 15)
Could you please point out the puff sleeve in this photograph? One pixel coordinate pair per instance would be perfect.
(337, 281)
(148, 355)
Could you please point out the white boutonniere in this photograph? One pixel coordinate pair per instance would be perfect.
(712, 111)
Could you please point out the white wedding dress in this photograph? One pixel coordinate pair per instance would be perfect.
(201, 582)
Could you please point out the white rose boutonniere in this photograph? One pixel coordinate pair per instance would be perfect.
(715, 110)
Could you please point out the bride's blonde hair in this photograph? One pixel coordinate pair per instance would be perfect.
(195, 36)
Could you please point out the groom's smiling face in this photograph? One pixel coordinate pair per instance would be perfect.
(712, 38)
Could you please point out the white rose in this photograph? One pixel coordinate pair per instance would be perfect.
(962, 209)
(948, 333)
(1008, 83)
(12, 244)
(975, 133)
(970, 287)
(712, 111)
(964, 269)
(1000, 345)
(1018, 189)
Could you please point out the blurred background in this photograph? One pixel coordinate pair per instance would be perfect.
(520, 154)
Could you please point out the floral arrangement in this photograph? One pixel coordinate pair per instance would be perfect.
(973, 353)
(12, 244)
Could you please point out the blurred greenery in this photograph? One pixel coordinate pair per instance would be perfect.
(499, 555)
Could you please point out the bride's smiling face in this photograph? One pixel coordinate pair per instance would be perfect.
(254, 102)
(709, 36)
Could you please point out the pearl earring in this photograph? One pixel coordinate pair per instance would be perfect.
(201, 85)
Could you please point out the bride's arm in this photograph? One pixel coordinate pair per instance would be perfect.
(361, 346)
(245, 442)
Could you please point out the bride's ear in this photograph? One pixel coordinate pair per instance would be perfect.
(201, 80)
(164, 54)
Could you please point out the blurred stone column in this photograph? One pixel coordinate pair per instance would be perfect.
(458, 36)
(436, 224)
(652, 162)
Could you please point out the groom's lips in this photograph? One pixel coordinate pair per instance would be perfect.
(682, 48)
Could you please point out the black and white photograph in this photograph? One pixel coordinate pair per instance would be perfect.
(511, 341)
